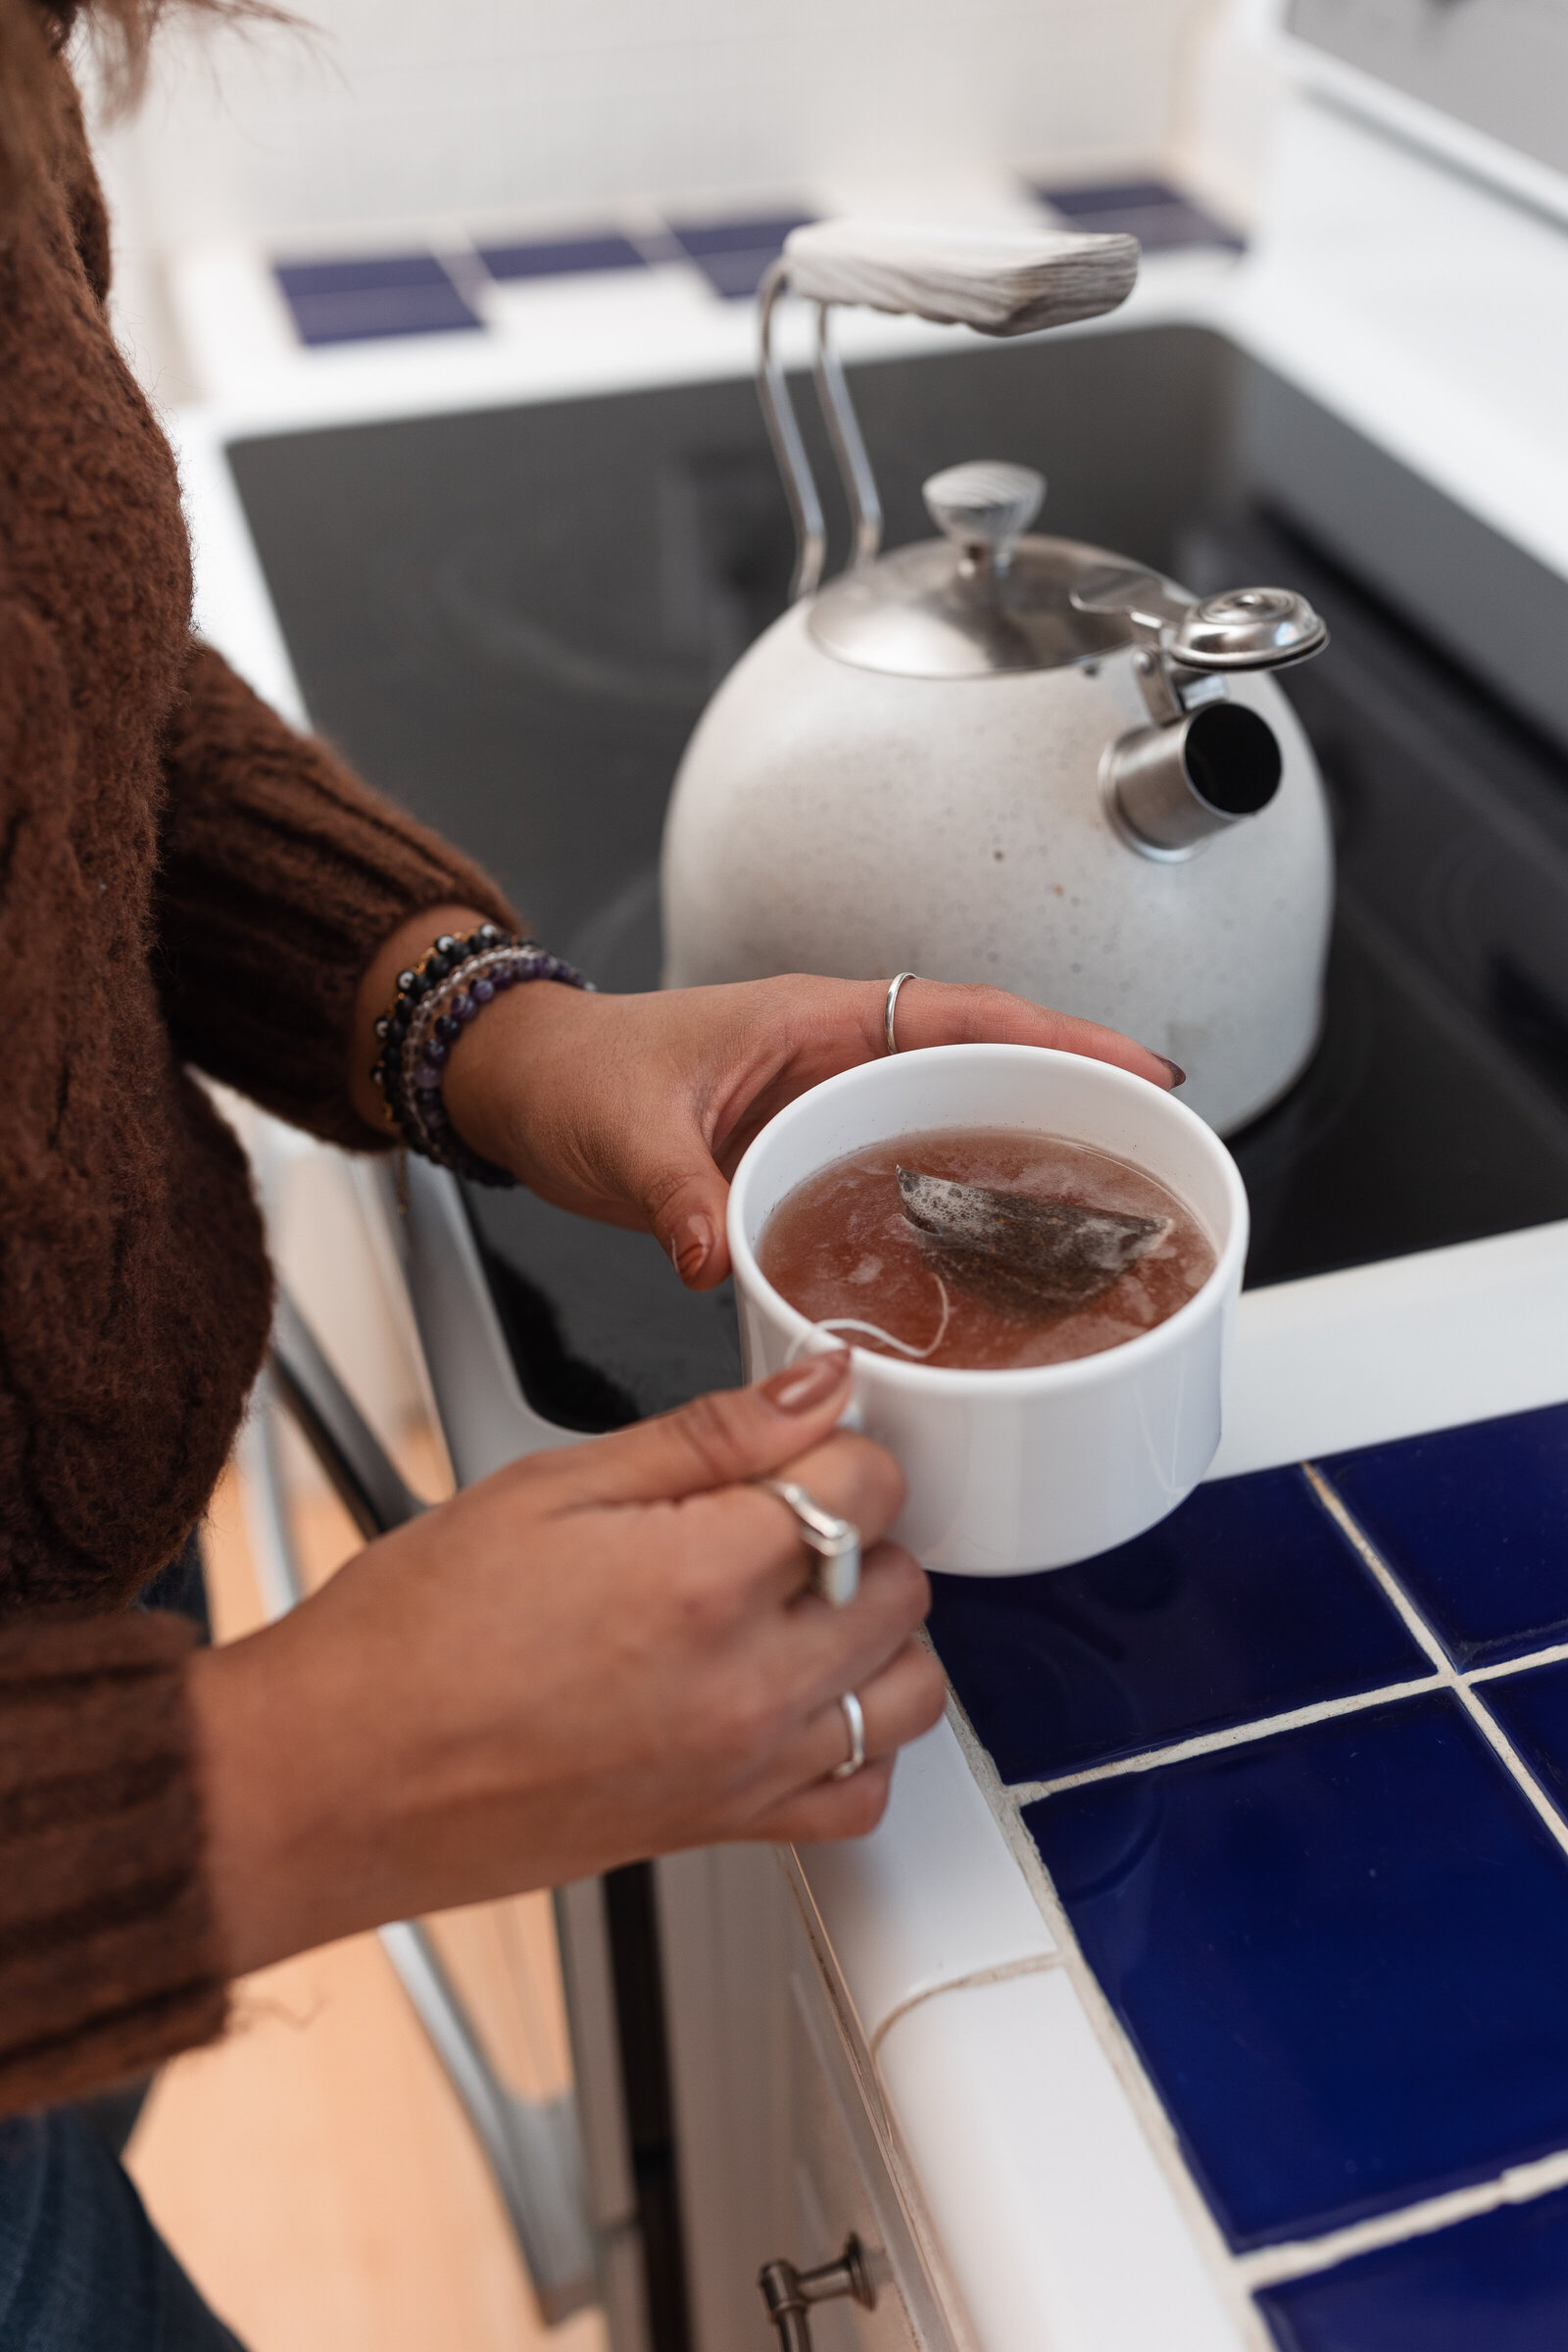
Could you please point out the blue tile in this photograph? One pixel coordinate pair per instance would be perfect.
(1157, 215)
(1475, 1524)
(1533, 1709)
(736, 275)
(1342, 1953)
(732, 254)
(362, 273)
(364, 297)
(1110, 196)
(1246, 1602)
(1499, 2283)
(756, 234)
(561, 256)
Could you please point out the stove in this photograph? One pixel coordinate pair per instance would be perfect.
(510, 619)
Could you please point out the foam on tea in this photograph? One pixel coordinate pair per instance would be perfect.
(984, 1250)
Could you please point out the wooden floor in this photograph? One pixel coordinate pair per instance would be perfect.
(313, 2171)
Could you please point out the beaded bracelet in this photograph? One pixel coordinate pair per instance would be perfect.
(434, 1001)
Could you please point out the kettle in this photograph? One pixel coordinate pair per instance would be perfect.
(999, 756)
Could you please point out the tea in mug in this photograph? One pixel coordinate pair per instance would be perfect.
(984, 1250)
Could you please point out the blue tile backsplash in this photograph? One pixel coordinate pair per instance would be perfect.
(362, 299)
(732, 254)
(1474, 1522)
(1245, 1602)
(357, 298)
(1342, 1953)
(561, 256)
(1162, 217)
(1497, 2283)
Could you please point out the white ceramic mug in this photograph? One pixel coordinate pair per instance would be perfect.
(1011, 1471)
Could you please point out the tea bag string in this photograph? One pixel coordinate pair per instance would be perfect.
(838, 1323)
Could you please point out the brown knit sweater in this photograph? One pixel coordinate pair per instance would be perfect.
(182, 880)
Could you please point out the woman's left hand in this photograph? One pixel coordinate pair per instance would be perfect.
(636, 1110)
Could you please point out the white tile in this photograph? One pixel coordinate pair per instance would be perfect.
(1059, 2225)
(932, 1896)
(1417, 1343)
(400, 109)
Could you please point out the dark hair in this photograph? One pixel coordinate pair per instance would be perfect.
(32, 34)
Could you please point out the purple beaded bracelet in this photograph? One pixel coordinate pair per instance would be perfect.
(435, 1001)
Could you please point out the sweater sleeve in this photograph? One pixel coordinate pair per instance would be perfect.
(281, 876)
(108, 1951)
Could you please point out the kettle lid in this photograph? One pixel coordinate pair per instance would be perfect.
(981, 601)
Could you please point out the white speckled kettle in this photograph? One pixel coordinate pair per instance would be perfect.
(991, 756)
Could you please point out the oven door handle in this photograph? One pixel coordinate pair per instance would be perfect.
(533, 2147)
(366, 1480)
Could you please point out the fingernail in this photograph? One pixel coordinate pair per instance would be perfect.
(802, 1388)
(691, 1245)
(1178, 1076)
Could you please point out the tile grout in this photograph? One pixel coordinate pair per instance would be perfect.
(1518, 2184)
(1235, 1734)
(1302, 2258)
(1002, 1972)
(1444, 1675)
(1367, 1551)
(1552, 1655)
(1448, 1675)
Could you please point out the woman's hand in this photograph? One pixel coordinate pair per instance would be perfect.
(636, 1110)
(595, 1655)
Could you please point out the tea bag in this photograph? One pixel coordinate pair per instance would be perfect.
(1025, 1256)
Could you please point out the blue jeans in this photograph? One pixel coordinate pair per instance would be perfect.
(81, 2266)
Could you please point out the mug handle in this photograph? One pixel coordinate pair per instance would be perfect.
(814, 1340)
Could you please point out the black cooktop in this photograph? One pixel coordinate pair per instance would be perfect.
(510, 619)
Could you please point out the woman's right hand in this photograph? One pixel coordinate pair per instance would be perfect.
(596, 1655)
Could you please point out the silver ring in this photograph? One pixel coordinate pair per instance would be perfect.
(835, 1543)
(892, 1007)
(854, 1725)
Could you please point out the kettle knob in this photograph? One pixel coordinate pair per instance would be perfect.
(983, 506)
(1242, 628)
(1248, 628)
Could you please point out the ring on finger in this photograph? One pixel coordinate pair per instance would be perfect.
(834, 1542)
(889, 1008)
(854, 1724)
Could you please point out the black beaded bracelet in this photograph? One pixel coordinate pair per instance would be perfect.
(435, 1001)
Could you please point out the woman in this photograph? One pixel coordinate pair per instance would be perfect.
(599, 1654)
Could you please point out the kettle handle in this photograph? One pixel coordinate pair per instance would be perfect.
(997, 283)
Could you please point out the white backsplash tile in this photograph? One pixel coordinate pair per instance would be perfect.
(391, 111)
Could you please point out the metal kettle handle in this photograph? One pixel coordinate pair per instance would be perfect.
(997, 284)
(844, 431)
(789, 2293)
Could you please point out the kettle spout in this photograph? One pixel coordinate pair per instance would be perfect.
(1171, 787)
